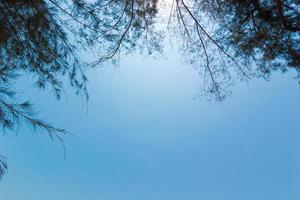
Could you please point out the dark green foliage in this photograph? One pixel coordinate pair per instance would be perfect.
(43, 39)
(224, 39)
(3, 166)
(33, 40)
(127, 25)
(238, 39)
(266, 32)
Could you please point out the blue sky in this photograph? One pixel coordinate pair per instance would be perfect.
(144, 137)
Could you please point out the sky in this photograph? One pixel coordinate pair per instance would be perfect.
(144, 136)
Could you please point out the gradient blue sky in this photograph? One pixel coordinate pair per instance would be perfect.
(145, 138)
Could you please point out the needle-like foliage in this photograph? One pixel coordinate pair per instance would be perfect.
(50, 40)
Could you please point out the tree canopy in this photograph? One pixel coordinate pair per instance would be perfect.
(224, 39)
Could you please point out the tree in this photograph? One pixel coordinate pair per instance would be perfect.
(3, 166)
(224, 39)
(201, 49)
(33, 41)
(265, 33)
(44, 38)
(243, 39)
